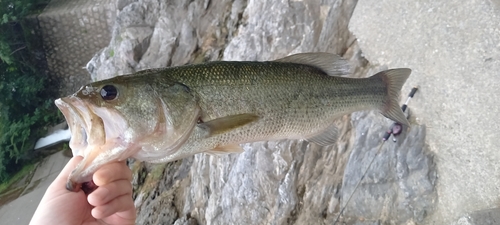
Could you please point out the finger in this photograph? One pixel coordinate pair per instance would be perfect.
(120, 204)
(112, 172)
(128, 216)
(108, 192)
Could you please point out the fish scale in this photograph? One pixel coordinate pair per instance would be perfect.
(161, 115)
(290, 99)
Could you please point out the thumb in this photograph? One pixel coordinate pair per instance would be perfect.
(57, 203)
(62, 178)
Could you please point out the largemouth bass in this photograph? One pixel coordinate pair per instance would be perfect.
(161, 115)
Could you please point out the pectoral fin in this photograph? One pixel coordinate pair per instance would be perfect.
(228, 123)
(327, 137)
(222, 150)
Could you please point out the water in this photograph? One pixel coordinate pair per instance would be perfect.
(56, 137)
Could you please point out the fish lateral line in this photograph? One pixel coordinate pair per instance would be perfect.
(171, 113)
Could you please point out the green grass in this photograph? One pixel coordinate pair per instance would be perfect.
(26, 170)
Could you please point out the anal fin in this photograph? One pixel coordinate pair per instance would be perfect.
(328, 137)
(226, 149)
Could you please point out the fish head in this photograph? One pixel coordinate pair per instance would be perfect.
(115, 119)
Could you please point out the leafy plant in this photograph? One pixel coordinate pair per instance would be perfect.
(27, 93)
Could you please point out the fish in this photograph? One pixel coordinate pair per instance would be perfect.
(166, 114)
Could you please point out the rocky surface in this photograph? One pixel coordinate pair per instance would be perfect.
(481, 217)
(152, 34)
(399, 186)
(283, 182)
(453, 48)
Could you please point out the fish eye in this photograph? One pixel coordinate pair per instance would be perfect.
(109, 92)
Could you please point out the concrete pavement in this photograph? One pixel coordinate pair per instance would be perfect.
(21, 210)
(453, 48)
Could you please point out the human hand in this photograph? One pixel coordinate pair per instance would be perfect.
(111, 203)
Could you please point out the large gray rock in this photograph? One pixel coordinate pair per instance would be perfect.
(153, 34)
(453, 48)
(399, 186)
(481, 217)
(282, 182)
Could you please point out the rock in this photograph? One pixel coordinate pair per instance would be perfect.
(481, 217)
(185, 221)
(120, 4)
(280, 182)
(152, 34)
(399, 186)
(276, 29)
(456, 62)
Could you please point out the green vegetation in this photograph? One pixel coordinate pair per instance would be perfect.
(26, 169)
(27, 93)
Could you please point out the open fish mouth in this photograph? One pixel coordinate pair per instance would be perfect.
(79, 117)
(93, 130)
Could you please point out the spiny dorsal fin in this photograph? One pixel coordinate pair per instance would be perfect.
(394, 79)
(327, 137)
(331, 64)
(226, 149)
(228, 123)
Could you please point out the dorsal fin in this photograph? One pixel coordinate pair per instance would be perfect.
(331, 64)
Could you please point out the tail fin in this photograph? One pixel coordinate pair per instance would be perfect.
(394, 80)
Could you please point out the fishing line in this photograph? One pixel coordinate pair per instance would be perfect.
(359, 182)
(394, 130)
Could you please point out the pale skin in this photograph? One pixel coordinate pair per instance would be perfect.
(111, 203)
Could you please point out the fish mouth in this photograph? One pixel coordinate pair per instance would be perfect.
(93, 131)
(76, 114)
